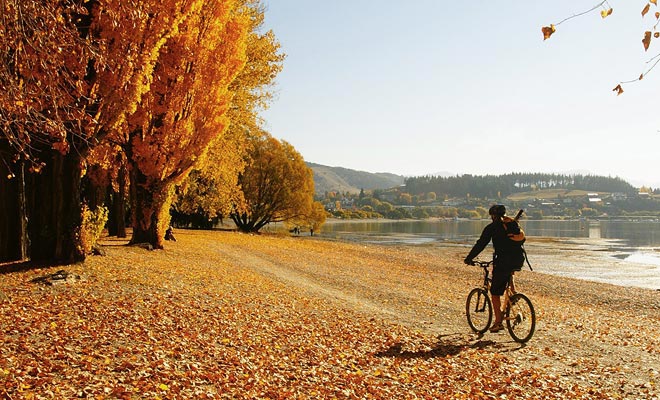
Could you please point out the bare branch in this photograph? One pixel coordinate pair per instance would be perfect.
(583, 13)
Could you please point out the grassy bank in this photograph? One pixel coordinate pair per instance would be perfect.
(227, 315)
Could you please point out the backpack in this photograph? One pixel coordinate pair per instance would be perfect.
(515, 233)
(513, 230)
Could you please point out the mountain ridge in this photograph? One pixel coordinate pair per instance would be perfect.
(346, 180)
(340, 179)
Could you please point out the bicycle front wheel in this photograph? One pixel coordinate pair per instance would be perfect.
(479, 310)
(520, 318)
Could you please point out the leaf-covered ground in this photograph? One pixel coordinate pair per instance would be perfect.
(228, 315)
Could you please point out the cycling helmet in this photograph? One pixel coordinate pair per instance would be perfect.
(497, 210)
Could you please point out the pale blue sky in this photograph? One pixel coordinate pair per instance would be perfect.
(424, 86)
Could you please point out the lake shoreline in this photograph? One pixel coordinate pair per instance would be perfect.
(594, 258)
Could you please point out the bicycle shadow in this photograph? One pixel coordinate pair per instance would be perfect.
(444, 348)
(499, 346)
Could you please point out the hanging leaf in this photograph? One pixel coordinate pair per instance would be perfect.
(654, 2)
(618, 89)
(646, 9)
(548, 31)
(647, 40)
(606, 13)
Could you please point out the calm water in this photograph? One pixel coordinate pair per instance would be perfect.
(637, 234)
(630, 250)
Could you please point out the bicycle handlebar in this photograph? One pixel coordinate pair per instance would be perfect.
(482, 264)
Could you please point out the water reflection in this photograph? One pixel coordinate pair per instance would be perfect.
(629, 233)
(636, 244)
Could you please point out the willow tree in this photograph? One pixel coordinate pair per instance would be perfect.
(277, 185)
(71, 73)
(184, 111)
(211, 190)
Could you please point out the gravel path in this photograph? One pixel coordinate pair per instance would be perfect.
(597, 334)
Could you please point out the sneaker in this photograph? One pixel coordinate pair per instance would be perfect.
(496, 328)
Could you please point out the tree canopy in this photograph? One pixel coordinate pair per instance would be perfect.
(97, 91)
(501, 186)
(277, 185)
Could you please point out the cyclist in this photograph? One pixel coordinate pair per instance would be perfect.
(508, 257)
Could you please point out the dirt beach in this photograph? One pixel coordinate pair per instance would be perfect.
(228, 315)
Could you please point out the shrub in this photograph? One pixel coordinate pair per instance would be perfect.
(91, 228)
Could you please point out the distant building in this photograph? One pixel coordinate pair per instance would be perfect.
(594, 198)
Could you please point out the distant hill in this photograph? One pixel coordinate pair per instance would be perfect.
(338, 179)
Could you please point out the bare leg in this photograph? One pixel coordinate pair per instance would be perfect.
(512, 285)
(497, 308)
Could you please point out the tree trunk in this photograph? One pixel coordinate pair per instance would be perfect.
(249, 223)
(148, 203)
(93, 194)
(119, 203)
(13, 239)
(117, 211)
(24, 237)
(54, 204)
(112, 218)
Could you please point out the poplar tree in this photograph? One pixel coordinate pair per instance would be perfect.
(184, 111)
(212, 191)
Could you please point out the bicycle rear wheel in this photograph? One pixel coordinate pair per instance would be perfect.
(479, 310)
(520, 318)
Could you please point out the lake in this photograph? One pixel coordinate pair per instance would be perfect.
(629, 250)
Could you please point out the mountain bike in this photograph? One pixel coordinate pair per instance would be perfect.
(518, 309)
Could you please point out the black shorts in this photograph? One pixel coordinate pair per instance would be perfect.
(501, 276)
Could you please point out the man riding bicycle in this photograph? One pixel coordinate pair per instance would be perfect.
(509, 256)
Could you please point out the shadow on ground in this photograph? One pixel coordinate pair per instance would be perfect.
(446, 347)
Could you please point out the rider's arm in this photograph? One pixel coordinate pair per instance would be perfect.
(482, 242)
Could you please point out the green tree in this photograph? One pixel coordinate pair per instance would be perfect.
(384, 208)
(420, 213)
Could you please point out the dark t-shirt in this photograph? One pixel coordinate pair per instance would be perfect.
(508, 254)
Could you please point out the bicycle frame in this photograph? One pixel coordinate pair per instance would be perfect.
(510, 286)
(517, 310)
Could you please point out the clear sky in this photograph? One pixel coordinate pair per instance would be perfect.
(421, 87)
